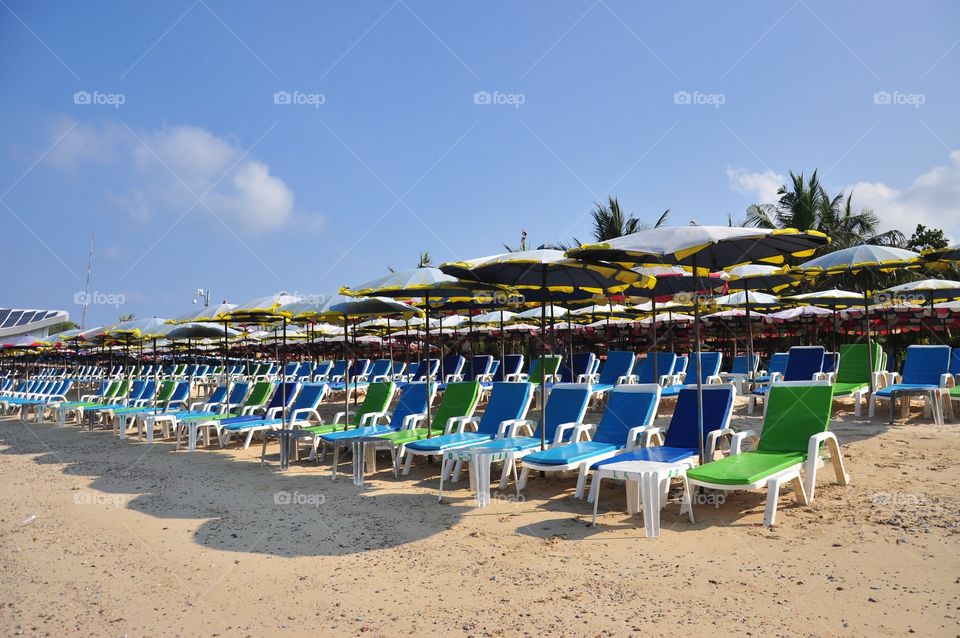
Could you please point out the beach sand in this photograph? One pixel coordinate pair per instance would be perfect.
(103, 538)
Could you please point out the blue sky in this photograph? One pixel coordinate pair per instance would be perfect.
(256, 147)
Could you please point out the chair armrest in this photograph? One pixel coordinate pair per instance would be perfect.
(714, 379)
(485, 378)
(665, 379)
(452, 378)
(370, 418)
(341, 415)
(633, 435)
(736, 443)
(562, 429)
(465, 423)
(381, 378)
(583, 432)
(297, 415)
(946, 380)
(625, 379)
(272, 413)
(412, 421)
(527, 425)
(713, 439)
(651, 436)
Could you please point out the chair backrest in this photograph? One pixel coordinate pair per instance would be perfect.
(459, 399)
(628, 406)
(452, 364)
(777, 363)
(795, 412)
(717, 408)
(681, 364)
(507, 401)
(494, 368)
(181, 391)
(511, 364)
(955, 361)
(359, 367)
(665, 364)
(567, 404)
(323, 368)
(149, 389)
(290, 369)
(926, 364)
(413, 400)
(544, 366)
(219, 394)
(309, 397)
(378, 398)
(803, 362)
(830, 361)
(580, 363)
(618, 364)
(166, 390)
(711, 362)
(284, 394)
(424, 371)
(259, 394)
(338, 369)
(137, 389)
(855, 362)
(305, 369)
(480, 364)
(380, 368)
(414, 370)
(239, 392)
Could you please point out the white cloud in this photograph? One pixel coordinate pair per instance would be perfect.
(172, 167)
(761, 186)
(933, 199)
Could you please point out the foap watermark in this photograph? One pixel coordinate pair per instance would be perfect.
(98, 498)
(899, 298)
(298, 98)
(96, 98)
(696, 98)
(97, 298)
(302, 499)
(499, 298)
(899, 98)
(496, 98)
(310, 298)
(701, 299)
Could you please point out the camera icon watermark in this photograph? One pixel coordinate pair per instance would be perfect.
(97, 298)
(898, 98)
(97, 498)
(696, 98)
(307, 499)
(496, 98)
(96, 98)
(297, 98)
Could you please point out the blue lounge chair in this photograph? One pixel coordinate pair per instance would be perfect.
(281, 400)
(804, 363)
(451, 368)
(617, 369)
(566, 407)
(681, 443)
(630, 410)
(411, 409)
(666, 362)
(581, 365)
(926, 371)
(508, 405)
(512, 364)
(711, 362)
(775, 369)
(741, 370)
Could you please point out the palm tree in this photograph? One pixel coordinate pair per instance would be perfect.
(426, 261)
(805, 205)
(609, 221)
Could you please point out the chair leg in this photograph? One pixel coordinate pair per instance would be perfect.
(773, 493)
(582, 480)
(524, 475)
(407, 463)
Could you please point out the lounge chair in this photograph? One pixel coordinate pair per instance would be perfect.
(795, 427)
(251, 423)
(508, 404)
(804, 363)
(630, 409)
(710, 361)
(410, 411)
(680, 444)
(853, 375)
(741, 371)
(926, 372)
(375, 403)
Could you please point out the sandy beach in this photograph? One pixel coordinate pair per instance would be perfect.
(104, 538)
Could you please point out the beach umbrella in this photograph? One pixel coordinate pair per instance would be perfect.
(711, 247)
(429, 285)
(948, 254)
(862, 260)
(206, 313)
(925, 291)
(547, 276)
(834, 299)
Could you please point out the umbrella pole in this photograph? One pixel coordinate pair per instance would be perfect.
(283, 380)
(653, 345)
(696, 328)
(503, 349)
(543, 357)
(746, 295)
(426, 339)
(473, 372)
(156, 374)
(346, 375)
(866, 317)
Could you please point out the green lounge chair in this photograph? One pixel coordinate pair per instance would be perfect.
(457, 406)
(374, 407)
(794, 428)
(549, 365)
(853, 376)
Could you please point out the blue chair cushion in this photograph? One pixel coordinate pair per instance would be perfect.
(887, 391)
(448, 441)
(571, 453)
(658, 454)
(369, 430)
